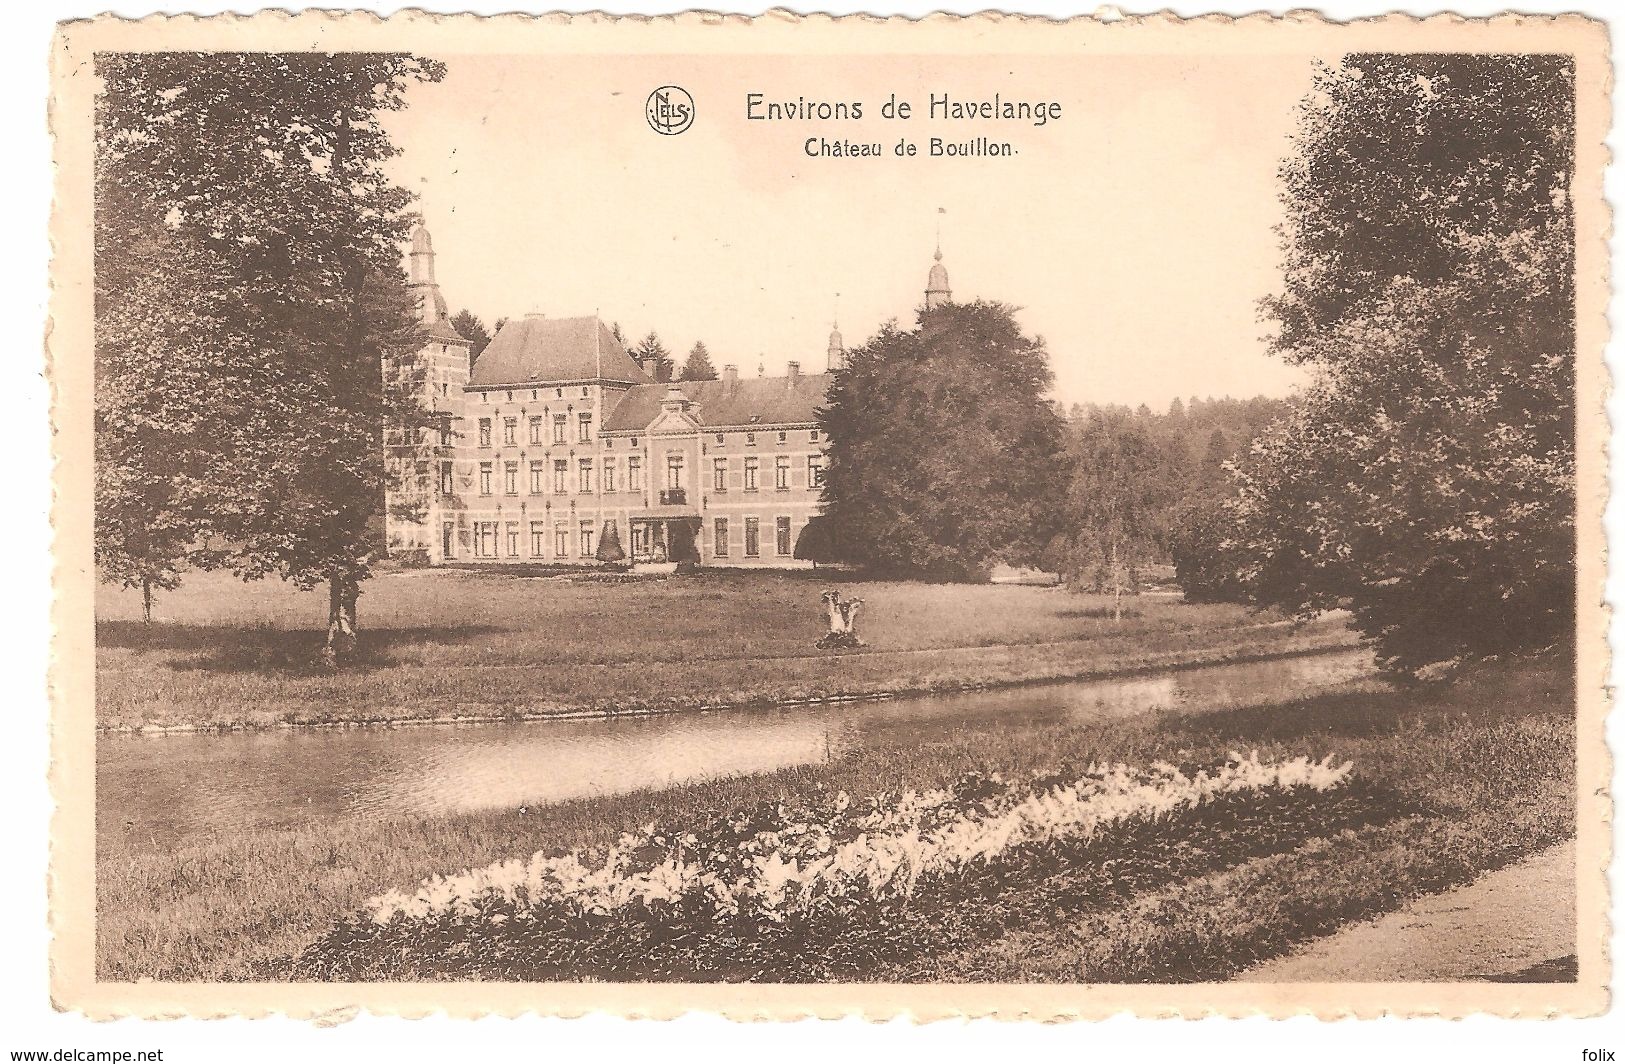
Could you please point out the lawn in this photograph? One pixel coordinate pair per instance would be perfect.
(456, 643)
(1451, 781)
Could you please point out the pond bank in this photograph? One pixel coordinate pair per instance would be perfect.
(1321, 639)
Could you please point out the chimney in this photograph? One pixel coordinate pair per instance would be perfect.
(793, 374)
(730, 378)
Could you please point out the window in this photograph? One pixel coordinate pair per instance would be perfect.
(719, 537)
(445, 389)
(510, 478)
(537, 471)
(445, 435)
(559, 421)
(561, 541)
(813, 435)
(536, 539)
(485, 432)
(584, 475)
(510, 397)
(815, 471)
(750, 439)
(446, 484)
(634, 473)
(485, 478)
(674, 471)
(533, 393)
(719, 474)
(535, 427)
(513, 539)
(510, 427)
(783, 436)
(586, 539)
(609, 475)
(781, 536)
(753, 537)
(485, 539)
(750, 473)
(585, 392)
(448, 536)
(781, 472)
(584, 428)
(719, 439)
(561, 469)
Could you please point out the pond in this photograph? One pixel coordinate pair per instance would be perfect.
(170, 789)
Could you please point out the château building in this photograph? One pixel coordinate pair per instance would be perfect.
(559, 438)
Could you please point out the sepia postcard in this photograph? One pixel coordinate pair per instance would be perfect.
(790, 516)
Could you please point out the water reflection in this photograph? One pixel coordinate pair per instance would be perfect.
(166, 789)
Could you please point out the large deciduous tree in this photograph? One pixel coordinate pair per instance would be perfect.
(1116, 505)
(271, 166)
(944, 458)
(1428, 476)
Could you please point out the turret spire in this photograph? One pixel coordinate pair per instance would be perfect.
(431, 304)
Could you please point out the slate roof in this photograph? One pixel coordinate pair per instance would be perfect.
(444, 331)
(764, 401)
(534, 350)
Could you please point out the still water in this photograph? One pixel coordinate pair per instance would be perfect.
(171, 789)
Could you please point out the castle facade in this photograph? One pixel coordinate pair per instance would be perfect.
(558, 440)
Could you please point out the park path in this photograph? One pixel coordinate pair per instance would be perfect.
(1514, 920)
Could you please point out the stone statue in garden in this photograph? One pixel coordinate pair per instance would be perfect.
(842, 615)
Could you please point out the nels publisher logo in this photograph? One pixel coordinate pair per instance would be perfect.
(670, 110)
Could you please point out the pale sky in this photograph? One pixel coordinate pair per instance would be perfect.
(1135, 231)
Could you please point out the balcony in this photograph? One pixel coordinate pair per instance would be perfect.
(674, 497)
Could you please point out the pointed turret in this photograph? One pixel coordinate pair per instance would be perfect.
(837, 349)
(431, 304)
(937, 292)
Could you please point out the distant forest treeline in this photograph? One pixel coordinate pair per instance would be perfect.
(1145, 477)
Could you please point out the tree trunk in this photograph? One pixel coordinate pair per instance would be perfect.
(341, 618)
(146, 600)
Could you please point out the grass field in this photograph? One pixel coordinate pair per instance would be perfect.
(450, 643)
(1484, 770)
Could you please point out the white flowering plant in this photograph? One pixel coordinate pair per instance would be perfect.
(784, 888)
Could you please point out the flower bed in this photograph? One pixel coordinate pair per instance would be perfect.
(838, 888)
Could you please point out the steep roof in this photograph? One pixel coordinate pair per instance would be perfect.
(443, 330)
(533, 350)
(764, 401)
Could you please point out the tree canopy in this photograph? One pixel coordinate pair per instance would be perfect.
(1427, 478)
(698, 367)
(944, 458)
(474, 331)
(653, 356)
(264, 173)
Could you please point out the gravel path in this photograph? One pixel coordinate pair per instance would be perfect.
(1516, 921)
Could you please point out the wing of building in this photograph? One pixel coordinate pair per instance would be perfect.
(558, 441)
